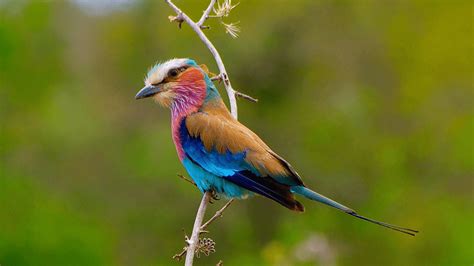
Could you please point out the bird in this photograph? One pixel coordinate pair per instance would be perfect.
(221, 155)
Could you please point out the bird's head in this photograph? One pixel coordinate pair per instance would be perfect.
(178, 83)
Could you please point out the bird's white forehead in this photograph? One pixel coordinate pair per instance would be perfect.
(159, 71)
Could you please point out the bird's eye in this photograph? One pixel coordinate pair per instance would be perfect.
(173, 73)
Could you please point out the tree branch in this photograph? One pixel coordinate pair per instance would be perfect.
(194, 240)
(187, 179)
(205, 16)
(237, 93)
(203, 230)
(217, 215)
(245, 96)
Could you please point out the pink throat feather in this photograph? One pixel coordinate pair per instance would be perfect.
(189, 98)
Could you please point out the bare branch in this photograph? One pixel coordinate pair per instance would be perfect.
(179, 256)
(237, 93)
(205, 16)
(202, 230)
(217, 77)
(217, 215)
(186, 179)
(245, 96)
(194, 240)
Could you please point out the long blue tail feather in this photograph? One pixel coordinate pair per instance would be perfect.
(312, 195)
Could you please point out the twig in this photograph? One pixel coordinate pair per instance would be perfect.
(194, 240)
(202, 230)
(216, 77)
(237, 93)
(217, 215)
(186, 179)
(245, 96)
(179, 256)
(205, 16)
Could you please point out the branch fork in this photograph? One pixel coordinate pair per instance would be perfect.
(202, 245)
(206, 13)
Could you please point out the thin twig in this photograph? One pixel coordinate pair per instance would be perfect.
(205, 16)
(203, 227)
(245, 96)
(237, 93)
(194, 240)
(179, 256)
(217, 215)
(217, 77)
(186, 179)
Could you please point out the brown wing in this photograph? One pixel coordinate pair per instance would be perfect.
(220, 131)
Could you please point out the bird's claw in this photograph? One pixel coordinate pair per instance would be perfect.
(214, 196)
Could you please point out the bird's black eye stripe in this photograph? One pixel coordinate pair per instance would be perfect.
(175, 71)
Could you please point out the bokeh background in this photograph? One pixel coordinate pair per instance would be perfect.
(372, 102)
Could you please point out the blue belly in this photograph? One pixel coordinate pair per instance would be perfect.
(206, 181)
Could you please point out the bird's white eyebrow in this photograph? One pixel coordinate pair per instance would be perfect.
(159, 72)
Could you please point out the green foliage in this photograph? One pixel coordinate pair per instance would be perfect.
(371, 102)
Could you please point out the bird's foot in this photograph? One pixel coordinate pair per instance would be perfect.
(214, 196)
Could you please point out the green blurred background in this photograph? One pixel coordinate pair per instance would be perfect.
(372, 102)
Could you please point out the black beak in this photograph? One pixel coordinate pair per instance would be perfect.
(148, 91)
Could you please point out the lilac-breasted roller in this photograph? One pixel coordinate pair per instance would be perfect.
(220, 154)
